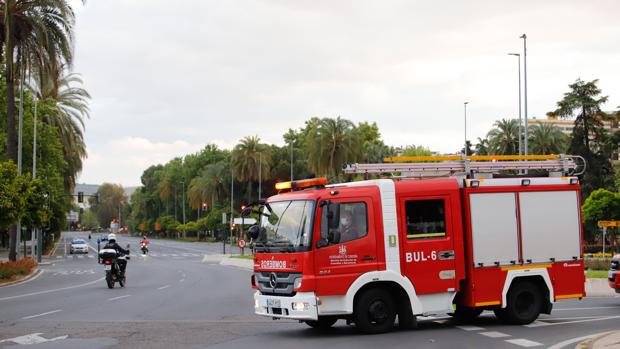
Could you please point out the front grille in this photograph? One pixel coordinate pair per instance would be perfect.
(283, 285)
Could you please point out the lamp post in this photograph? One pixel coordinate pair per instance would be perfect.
(260, 170)
(465, 144)
(520, 122)
(291, 161)
(524, 37)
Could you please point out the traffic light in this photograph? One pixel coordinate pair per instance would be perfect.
(80, 196)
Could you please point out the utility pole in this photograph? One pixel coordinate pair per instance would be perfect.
(183, 197)
(525, 141)
(232, 195)
(520, 121)
(260, 170)
(465, 144)
(291, 161)
(20, 136)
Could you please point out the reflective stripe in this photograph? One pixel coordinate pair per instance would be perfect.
(413, 236)
(523, 267)
(484, 304)
(565, 296)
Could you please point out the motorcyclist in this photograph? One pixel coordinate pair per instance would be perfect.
(113, 245)
(144, 243)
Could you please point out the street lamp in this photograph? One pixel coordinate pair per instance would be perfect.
(524, 37)
(260, 170)
(465, 144)
(520, 122)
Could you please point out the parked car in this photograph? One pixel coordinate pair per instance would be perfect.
(78, 246)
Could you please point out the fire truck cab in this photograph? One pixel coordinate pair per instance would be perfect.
(379, 250)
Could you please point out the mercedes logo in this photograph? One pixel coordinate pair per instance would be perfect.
(272, 280)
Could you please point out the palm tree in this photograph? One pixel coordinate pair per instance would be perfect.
(197, 194)
(41, 33)
(504, 139)
(547, 139)
(482, 147)
(246, 157)
(68, 106)
(331, 143)
(210, 186)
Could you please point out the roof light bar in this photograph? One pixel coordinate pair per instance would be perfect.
(300, 184)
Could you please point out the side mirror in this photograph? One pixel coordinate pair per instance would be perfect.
(333, 215)
(254, 232)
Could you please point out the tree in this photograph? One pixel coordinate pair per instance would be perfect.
(330, 143)
(416, 150)
(482, 147)
(14, 194)
(247, 156)
(547, 139)
(583, 103)
(503, 138)
(111, 198)
(88, 219)
(601, 205)
(65, 106)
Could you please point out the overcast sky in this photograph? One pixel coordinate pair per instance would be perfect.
(168, 77)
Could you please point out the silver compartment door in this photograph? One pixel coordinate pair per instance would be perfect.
(550, 225)
(494, 228)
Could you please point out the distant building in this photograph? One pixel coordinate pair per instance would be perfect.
(566, 125)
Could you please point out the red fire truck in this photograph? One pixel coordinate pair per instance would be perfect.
(437, 237)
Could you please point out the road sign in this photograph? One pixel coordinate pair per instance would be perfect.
(608, 224)
(246, 221)
(241, 243)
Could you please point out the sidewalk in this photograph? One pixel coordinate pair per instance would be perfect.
(599, 288)
(221, 259)
(602, 341)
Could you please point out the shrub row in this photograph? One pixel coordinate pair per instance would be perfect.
(21, 267)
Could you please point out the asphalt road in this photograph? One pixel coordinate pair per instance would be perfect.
(174, 299)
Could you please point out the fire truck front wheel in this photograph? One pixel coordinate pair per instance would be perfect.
(523, 304)
(323, 322)
(374, 311)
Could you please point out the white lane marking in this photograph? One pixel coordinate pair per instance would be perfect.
(494, 334)
(119, 297)
(470, 328)
(49, 291)
(58, 257)
(91, 256)
(174, 255)
(181, 280)
(591, 308)
(523, 342)
(42, 314)
(33, 338)
(575, 340)
(163, 287)
(537, 323)
(579, 321)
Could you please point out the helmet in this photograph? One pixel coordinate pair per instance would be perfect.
(112, 237)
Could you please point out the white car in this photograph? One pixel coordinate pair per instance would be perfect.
(78, 246)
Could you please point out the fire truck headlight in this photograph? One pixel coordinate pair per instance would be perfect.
(297, 283)
(300, 306)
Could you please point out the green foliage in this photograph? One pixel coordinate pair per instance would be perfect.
(416, 150)
(504, 137)
(14, 194)
(583, 102)
(89, 220)
(601, 205)
(111, 198)
(168, 223)
(547, 139)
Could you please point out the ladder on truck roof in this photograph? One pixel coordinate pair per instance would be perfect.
(472, 166)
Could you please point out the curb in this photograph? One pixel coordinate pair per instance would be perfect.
(239, 263)
(600, 340)
(35, 273)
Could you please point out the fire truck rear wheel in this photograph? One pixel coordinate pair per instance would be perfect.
(374, 311)
(524, 303)
(322, 323)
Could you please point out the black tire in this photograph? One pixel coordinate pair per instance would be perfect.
(109, 280)
(466, 314)
(121, 281)
(374, 311)
(523, 304)
(324, 322)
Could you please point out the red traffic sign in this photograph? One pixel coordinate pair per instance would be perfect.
(241, 243)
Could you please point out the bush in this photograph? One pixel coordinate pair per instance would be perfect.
(21, 267)
(597, 263)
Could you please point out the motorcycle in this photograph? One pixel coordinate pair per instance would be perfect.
(109, 259)
(145, 248)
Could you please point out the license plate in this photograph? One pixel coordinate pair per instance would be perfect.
(107, 267)
(273, 303)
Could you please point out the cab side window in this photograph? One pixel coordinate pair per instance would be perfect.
(426, 219)
(353, 223)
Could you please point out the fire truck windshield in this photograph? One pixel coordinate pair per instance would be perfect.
(286, 226)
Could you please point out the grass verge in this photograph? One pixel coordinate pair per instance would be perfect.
(596, 274)
(247, 256)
